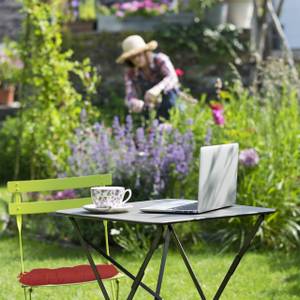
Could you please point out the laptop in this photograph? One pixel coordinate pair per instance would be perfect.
(217, 183)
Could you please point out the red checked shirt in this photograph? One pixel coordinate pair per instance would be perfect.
(162, 75)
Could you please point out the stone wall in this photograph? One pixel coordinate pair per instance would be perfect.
(10, 18)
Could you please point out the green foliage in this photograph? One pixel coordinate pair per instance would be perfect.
(221, 44)
(51, 106)
(271, 127)
(10, 64)
(9, 137)
(4, 217)
(199, 7)
(87, 10)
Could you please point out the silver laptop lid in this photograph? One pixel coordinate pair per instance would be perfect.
(217, 176)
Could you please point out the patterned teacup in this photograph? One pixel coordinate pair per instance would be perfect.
(109, 196)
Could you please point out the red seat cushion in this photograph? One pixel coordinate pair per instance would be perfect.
(66, 275)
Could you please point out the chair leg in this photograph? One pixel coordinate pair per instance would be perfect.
(30, 293)
(118, 289)
(25, 293)
(30, 290)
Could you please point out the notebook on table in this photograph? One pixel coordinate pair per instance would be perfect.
(217, 183)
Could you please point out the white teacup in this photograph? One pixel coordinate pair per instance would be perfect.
(109, 196)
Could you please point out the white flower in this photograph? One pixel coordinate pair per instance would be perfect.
(114, 231)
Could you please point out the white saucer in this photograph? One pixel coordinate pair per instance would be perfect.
(106, 210)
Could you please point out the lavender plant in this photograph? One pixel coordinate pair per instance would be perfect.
(152, 161)
(155, 158)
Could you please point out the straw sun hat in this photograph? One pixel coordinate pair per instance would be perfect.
(133, 45)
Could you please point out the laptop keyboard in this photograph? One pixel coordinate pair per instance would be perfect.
(192, 206)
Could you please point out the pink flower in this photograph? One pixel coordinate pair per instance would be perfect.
(249, 157)
(120, 14)
(218, 113)
(179, 72)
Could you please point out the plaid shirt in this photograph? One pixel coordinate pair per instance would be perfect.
(162, 75)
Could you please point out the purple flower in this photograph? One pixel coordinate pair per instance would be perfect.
(249, 157)
(208, 136)
(150, 158)
(62, 195)
(165, 127)
(75, 3)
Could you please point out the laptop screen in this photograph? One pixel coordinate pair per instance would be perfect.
(217, 176)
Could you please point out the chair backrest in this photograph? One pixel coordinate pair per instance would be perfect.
(18, 207)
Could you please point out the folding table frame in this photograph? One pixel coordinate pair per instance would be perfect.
(165, 230)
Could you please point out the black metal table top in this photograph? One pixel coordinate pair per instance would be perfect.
(134, 214)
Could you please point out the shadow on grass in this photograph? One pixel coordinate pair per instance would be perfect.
(287, 263)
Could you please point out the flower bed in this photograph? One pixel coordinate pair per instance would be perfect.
(153, 159)
(140, 23)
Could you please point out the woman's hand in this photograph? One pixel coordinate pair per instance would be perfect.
(152, 95)
(136, 105)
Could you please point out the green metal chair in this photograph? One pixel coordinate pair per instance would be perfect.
(19, 207)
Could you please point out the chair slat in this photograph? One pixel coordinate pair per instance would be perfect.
(59, 183)
(39, 207)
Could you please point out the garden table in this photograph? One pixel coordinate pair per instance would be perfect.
(164, 223)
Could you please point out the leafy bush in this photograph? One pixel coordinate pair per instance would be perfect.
(221, 44)
(50, 104)
(10, 64)
(9, 136)
(269, 172)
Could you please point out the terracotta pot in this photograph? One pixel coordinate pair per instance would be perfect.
(82, 26)
(7, 95)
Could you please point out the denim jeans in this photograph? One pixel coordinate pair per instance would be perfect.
(168, 101)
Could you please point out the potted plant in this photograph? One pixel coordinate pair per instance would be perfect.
(216, 13)
(212, 12)
(10, 67)
(240, 13)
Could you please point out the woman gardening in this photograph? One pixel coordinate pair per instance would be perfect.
(150, 78)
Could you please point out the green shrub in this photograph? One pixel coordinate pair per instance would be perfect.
(51, 107)
(270, 126)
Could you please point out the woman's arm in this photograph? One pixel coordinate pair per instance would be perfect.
(170, 80)
(130, 91)
(133, 103)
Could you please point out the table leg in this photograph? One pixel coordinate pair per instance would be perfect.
(121, 268)
(239, 256)
(163, 260)
(187, 264)
(141, 271)
(91, 261)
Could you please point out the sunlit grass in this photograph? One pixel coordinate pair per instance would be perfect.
(263, 275)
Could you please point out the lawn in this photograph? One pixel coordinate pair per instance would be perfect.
(261, 275)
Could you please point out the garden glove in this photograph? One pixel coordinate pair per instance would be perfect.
(136, 105)
(153, 96)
